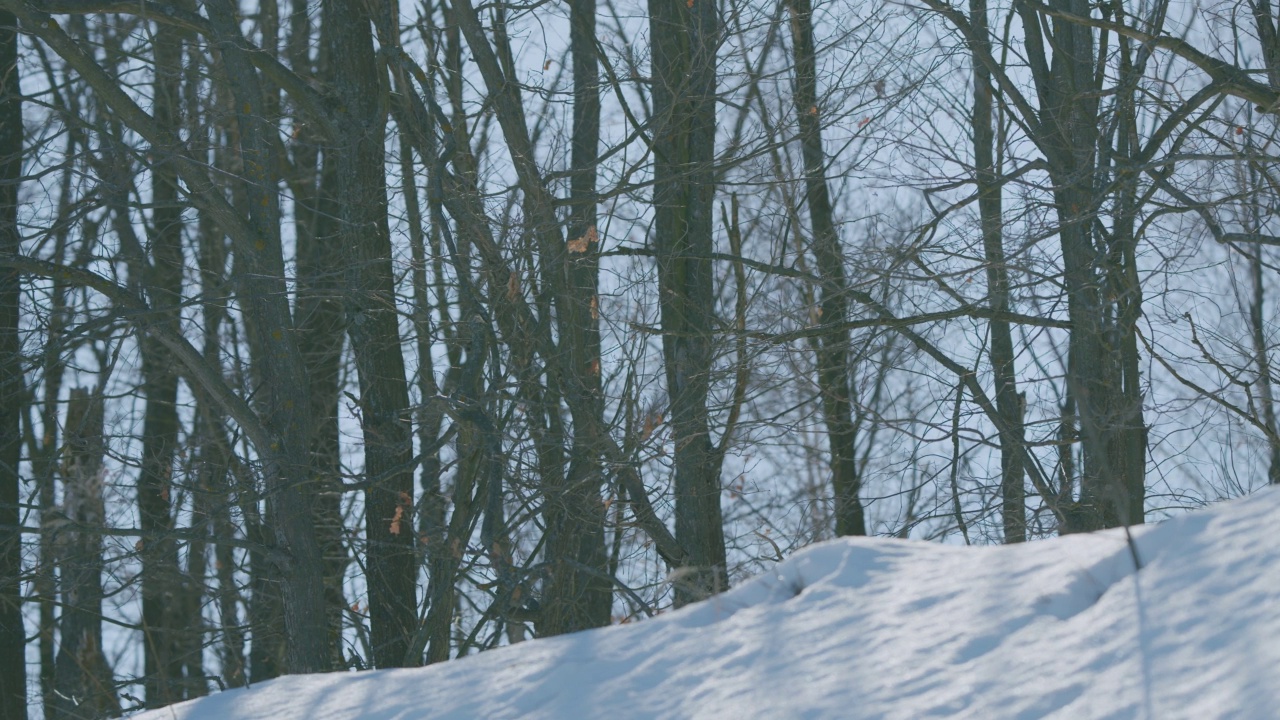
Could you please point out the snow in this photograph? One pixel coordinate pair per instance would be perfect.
(875, 628)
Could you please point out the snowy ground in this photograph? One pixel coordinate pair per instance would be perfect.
(874, 628)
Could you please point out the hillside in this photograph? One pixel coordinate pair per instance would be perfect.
(873, 628)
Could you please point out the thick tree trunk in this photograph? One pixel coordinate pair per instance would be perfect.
(13, 669)
(833, 370)
(578, 594)
(279, 370)
(84, 689)
(358, 158)
(684, 38)
(990, 212)
(1102, 357)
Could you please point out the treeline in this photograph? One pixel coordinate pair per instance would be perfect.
(354, 334)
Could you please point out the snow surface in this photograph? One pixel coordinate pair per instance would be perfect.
(875, 628)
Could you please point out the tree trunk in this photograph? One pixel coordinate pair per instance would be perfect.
(833, 370)
(278, 368)
(1102, 360)
(684, 38)
(84, 689)
(578, 593)
(161, 275)
(990, 212)
(13, 642)
(321, 330)
(369, 301)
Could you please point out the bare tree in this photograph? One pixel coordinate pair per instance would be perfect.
(685, 39)
(990, 209)
(13, 668)
(833, 305)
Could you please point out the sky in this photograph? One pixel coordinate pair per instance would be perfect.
(880, 628)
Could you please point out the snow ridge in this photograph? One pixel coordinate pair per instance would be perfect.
(873, 628)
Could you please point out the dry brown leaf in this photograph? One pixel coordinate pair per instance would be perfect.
(580, 245)
(651, 422)
(513, 286)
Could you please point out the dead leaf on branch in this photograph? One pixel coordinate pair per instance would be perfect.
(582, 244)
(513, 286)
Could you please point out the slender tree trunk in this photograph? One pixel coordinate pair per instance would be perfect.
(833, 370)
(13, 668)
(44, 460)
(161, 274)
(565, 280)
(358, 159)
(265, 604)
(321, 329)
(1126, 443)
(1266, 392)
(990, 211)
(213, 451)
(1269, 38)
(444, 540)
(430, 415)
(684, 39)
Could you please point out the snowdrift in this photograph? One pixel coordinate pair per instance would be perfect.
(874, 628)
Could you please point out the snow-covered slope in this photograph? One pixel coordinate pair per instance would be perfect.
(873, 628)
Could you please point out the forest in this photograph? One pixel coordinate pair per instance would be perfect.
(350, 334)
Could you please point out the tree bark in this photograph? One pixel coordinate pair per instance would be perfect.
(369, 301)
(161, 275)
(990, 212)
(578, 594)
(321, 330)
(84, 689)
(684, 39)
(13, 668)
(833, 344)
(278, 367)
